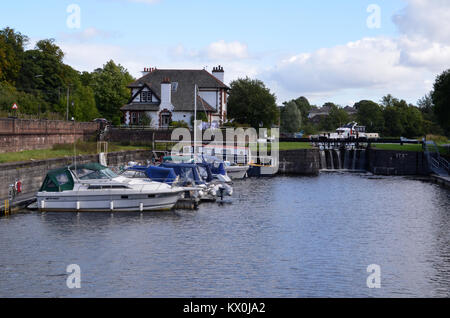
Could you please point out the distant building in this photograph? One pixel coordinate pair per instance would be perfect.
(166, 96)
(316, 114)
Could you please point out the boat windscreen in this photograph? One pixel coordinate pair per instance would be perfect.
(84, 173)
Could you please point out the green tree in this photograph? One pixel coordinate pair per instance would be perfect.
(42, 73)
(201, 115)
(110, 87)
(430, 123)
(290, 118)
(393, 122)
(413, 124)
(304, 107)
(11, 54)
(389, 100)
(250, 102)
(370, 114)
(441, 100)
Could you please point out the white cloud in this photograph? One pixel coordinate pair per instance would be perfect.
(421, 53)
(370, 62)
(406, 64)
(429, 19)
(220, 50)
(87, 34)
(227, 51)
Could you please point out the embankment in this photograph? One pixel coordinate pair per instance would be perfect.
(20, 134)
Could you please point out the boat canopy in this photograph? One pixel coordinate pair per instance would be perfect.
(216, 165)
(159, 174)
(57, 181)
(188, 173)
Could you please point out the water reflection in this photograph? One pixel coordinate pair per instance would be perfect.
(281, 237)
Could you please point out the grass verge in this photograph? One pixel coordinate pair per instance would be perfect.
(64, 150)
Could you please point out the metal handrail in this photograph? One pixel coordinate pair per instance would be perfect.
(435, 161)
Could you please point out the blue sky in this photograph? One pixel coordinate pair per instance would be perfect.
(295, 47)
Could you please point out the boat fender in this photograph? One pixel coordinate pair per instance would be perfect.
(18, 186)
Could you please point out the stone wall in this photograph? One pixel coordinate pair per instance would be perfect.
(32, 173)
(393, 162)
(300, 162)
(20, 134)
(137, 136)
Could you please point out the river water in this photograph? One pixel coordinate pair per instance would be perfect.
(280, 237)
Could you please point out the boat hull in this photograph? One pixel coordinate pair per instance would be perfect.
(237, 172)
(262, 171)
(48, 202)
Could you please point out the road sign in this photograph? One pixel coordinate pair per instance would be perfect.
(15, 106)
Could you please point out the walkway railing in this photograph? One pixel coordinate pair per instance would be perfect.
(436, 163)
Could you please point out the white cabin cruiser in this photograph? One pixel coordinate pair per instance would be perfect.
(95, 188)
(351, 130)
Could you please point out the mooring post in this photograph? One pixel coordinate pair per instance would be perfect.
(7, 207)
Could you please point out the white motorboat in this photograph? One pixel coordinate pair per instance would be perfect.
(236, 172)
(351, 130)
(95, 188)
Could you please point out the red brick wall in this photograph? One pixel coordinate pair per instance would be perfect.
(19, 134)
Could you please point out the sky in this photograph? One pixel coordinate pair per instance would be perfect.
(325, 50)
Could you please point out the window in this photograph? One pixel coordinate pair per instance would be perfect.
(62, 179)
(174, 86)
(88, 174)
(146, 97)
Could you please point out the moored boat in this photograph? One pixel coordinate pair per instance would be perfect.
(95, 188)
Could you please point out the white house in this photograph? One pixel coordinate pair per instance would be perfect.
(169, 95)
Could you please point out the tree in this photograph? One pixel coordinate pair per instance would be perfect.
(370, 114)
(304, 107)
(110, 87)
(290, 118)
(11, 54)
(250, 102)
(393, 122)
(413, 123)
(441, 100)
(201, 115)
(42, 72)
(389, 100)
(430, 123)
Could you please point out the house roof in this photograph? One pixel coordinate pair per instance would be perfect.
(183, 97)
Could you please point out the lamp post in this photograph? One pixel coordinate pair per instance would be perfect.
(39, 104)
(67, 109)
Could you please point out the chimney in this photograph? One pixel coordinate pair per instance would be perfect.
(219, 73)
(148, 70)
(166, 94)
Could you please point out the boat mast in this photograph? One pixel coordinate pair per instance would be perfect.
(195, 120)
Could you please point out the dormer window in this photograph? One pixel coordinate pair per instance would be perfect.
(146, 97)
